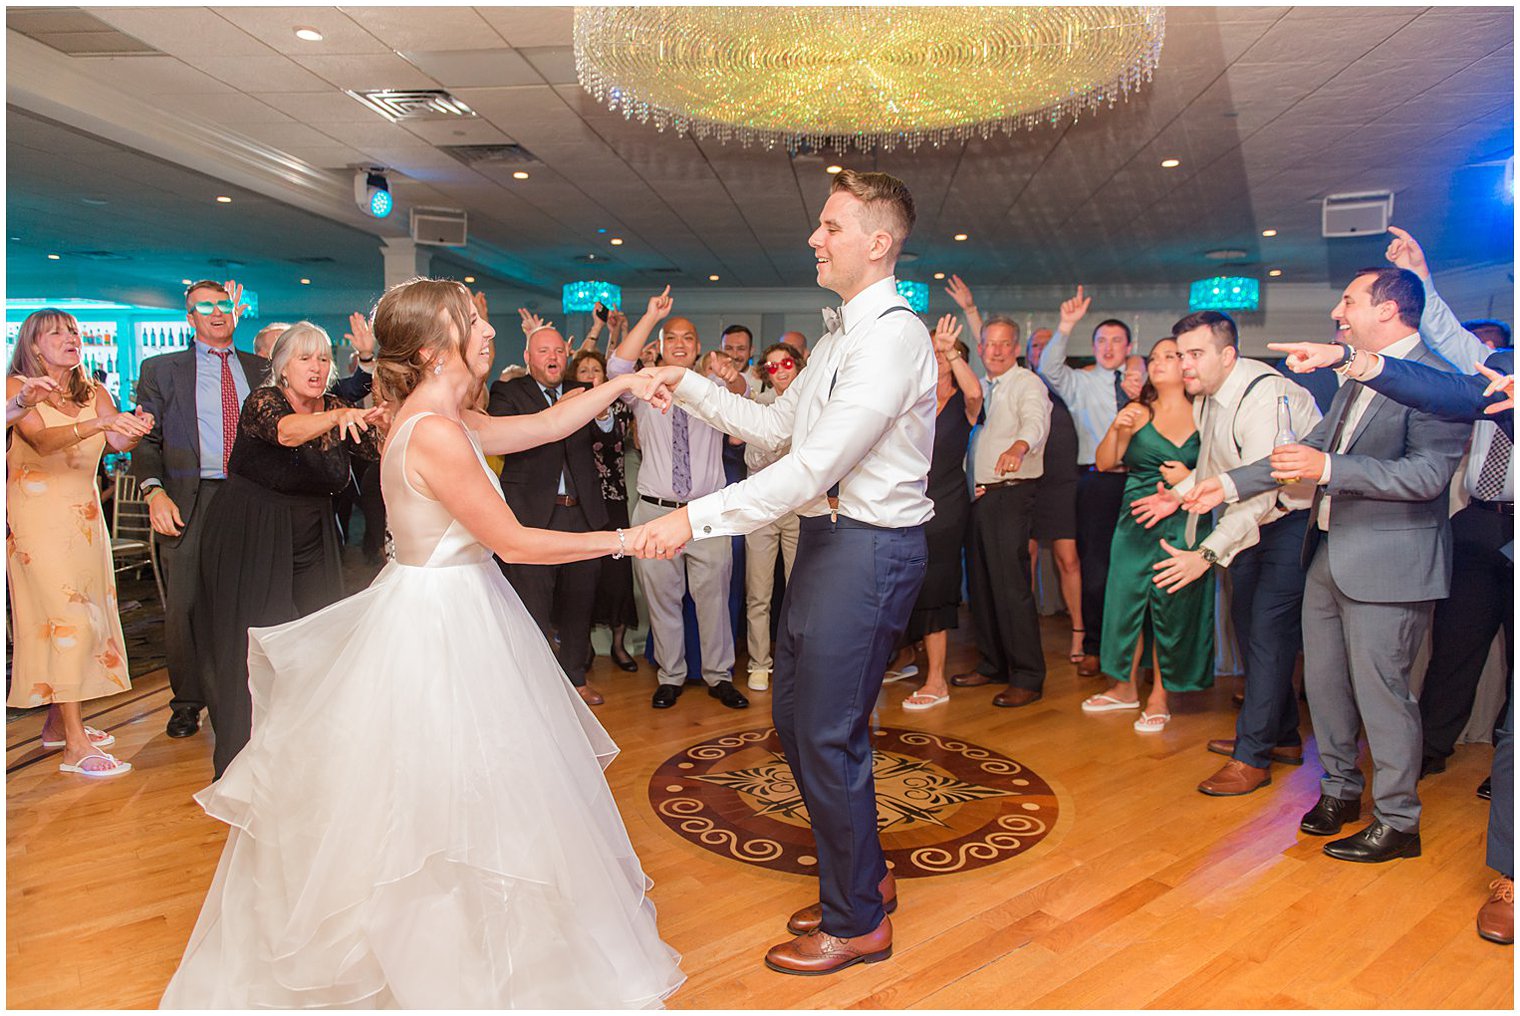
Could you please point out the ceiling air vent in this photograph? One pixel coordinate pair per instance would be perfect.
(398, 104)
(490, 155)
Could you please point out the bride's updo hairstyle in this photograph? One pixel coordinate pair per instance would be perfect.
(414, 323)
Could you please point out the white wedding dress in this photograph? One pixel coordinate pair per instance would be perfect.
(420, 818)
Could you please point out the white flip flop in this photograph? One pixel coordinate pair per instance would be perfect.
(1152, 723)
(98, 739)
(893, 676)
(912, 707)
(1106, 703)
(118, 767)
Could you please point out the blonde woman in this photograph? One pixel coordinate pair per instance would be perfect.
(69, 647)
(420, 818)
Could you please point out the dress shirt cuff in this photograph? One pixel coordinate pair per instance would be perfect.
(1324, 475)
(1374, 367)
(693, 388)
(605, 426)
(706, 515)
(1188, 482)
(149, 485)
(1231, 492)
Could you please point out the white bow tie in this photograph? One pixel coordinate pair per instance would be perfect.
(833, 318)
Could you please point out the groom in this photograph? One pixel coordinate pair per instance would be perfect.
(860, 421)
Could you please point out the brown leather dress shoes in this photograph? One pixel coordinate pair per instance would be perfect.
(809, 918)
(970, 679)
(590, 695)
(1234, 779)
(1013, 698)
(819, 953)
(1288, 755)
(1496, 918)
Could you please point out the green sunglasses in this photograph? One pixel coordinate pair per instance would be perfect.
(207, 306)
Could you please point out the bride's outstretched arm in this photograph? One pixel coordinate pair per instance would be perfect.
(503, 435)
(442, 465)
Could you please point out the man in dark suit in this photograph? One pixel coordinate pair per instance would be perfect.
(195, 396)
(1379, 550)
(554, 486)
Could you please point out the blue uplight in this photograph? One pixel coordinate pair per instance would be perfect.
(380, 203)
(1225, 292)
(584, 296)
(916, 293)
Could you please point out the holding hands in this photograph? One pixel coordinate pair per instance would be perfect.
(664, 537)
(650, 385)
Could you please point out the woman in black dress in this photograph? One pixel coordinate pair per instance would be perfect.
(959, 401)
(614, 606)
(270, 549)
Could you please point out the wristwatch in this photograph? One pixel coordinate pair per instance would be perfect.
(1348, 357)
(1208, 555)
(369, 359)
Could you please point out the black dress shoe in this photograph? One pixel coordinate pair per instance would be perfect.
(623, 660)
(1327, 817)
(725, 692)
(1430, 765)
(1486, 788)
(183, 723)
(1377, 843)
(665, 696)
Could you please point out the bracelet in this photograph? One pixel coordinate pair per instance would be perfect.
(622, 547)
(369, 360)
(75, 429)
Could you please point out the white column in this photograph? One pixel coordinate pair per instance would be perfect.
(404, 259)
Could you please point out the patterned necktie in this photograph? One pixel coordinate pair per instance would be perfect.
(1120, 398)
(229, 407)
(1490, 485)
(680, 457)
(1202, 471)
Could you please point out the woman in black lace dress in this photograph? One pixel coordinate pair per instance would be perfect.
(614, 605)
(270, 552)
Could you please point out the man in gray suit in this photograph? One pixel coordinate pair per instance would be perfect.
(195, 396)
(1378, 553)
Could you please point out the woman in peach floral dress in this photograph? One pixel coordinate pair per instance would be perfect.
(68, 640)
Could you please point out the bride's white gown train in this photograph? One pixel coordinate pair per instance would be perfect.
(420, 818)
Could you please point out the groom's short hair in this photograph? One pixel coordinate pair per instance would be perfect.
(889, 203)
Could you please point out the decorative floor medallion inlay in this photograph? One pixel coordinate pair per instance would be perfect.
(942, 805)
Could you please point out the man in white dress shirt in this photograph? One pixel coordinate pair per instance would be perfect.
(1259, 539)
(861, 424)
(1009, 458)
(1094, 397)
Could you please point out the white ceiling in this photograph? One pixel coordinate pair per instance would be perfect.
(1269, 109)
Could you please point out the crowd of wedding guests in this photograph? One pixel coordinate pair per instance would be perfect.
(1320, 486)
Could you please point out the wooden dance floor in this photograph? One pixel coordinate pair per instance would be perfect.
(1114, 884)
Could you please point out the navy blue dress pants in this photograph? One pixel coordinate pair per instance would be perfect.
(853, 587)
(1266, 608)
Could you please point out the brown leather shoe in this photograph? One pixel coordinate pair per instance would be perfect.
(1234, 779)
(590, 695)
(819, 953)
(970, 679)
(1089, 666)
(1288, 755)
(809, 918)
(1015, 697)
(1496, 918)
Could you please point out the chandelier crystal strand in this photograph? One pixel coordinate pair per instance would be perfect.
(864, 77)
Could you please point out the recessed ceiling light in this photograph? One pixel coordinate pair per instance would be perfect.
(520, 175)
(831, 170)
(616, 241)
(469, 278)
(1269, 232)
(712, 278)
(184, 282)
(305, 282)
(1170, 163)
(308, 35)
(961, 236)
(939, 275)
(1275, 272)
(223, 199)
(55, 257)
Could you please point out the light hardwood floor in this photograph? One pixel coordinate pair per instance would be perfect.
(1147, 894)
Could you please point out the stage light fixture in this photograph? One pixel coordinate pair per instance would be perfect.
(372, 192)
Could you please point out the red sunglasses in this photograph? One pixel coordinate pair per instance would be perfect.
(785, 363)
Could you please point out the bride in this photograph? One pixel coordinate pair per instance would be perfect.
(420, 818)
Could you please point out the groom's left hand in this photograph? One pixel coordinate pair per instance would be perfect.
(665, 536)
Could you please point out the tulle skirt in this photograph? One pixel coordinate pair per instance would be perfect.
(420, 820)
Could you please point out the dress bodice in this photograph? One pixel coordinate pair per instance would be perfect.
(423, 532)
(1148, 449)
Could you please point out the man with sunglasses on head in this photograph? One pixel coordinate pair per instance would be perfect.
(195, 396)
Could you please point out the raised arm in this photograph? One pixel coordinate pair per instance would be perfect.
(1439, 326)
(632, 343)
(961, 294)
(944, 338)
(1053, 365)
(503, 435)
(768, 426)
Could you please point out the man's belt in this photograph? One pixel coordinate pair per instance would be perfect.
(566, 501)
(1501, 507)
(662, 502)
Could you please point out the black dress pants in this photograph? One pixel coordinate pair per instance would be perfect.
(560, 596)
(1482, 600)
(1266, 610)
(1002, 602)
(1100, 499)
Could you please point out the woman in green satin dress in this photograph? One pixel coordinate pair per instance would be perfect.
(1156, 439)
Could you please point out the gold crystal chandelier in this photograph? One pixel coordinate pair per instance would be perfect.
(871, 77)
